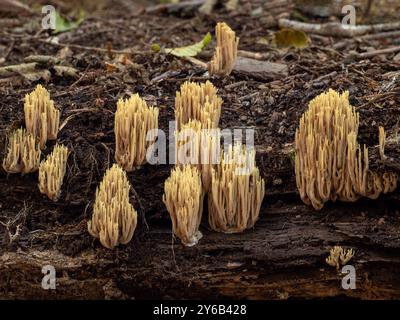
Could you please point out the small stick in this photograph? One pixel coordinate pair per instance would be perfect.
(373, 53)
(337, 29)
(105, 50)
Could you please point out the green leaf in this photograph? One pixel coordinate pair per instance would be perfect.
(291, 38)
(155, 47)
(192, 50)
(63, 25)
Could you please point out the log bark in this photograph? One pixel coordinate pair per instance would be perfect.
(263, 70)
(282, 257)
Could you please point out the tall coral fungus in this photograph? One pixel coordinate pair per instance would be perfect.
(225, 55)
(23, 153)
(330, 164)
(199, 147)
(52, 171)
(114, 219)
(237, 191)
(135, 130)
(42, 118)
(197, 101)
(183, 197)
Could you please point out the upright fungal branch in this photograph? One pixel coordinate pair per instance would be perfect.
(237, 191)
(339, 256)
(199, 147)
(183, 197)
(188, 144)
(52, 171)
(23, 153)
(382, 142)
(197, 101)
(135, 129)
(330, 164)
(226, 51)
(114, 219)
(42, 118)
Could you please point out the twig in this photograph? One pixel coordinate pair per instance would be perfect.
(196, 62)
(8, 71)
(80, 78)
(105, 50)
(376, 98)
(169, 7)
(335, 29)
(15, 5)
(323, 77)
(253, 55)
(373, 53)
(381, 35)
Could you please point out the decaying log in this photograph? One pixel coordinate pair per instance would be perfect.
(282, 257)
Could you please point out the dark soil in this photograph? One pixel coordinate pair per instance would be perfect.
(284, 255)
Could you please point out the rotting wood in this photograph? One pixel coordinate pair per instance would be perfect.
(263, 70)
(282, 257)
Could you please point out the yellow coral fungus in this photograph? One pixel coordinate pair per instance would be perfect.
(114, 219)
(225, 55)
(197, 101)
(200, 147)
(183, 197)
(52, 171)
(330, 164)
(42, 118)
(23, 153)
(135, 130)
(339, 256)
(237, 191)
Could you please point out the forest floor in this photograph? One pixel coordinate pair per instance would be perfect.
(283, 256)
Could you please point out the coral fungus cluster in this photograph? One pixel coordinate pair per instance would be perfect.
(23, 153)
(52, 171)
(225, 55)
(135, 129)
(199, 147)
(234, 187)
(330, 163)
(42, 118)
(197, 101)
(183, 198)
(114, 219)
(237, 191)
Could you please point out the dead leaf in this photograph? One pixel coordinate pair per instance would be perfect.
(286, 38)
(110, 67)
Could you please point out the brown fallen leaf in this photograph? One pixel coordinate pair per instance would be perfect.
(286, 38)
